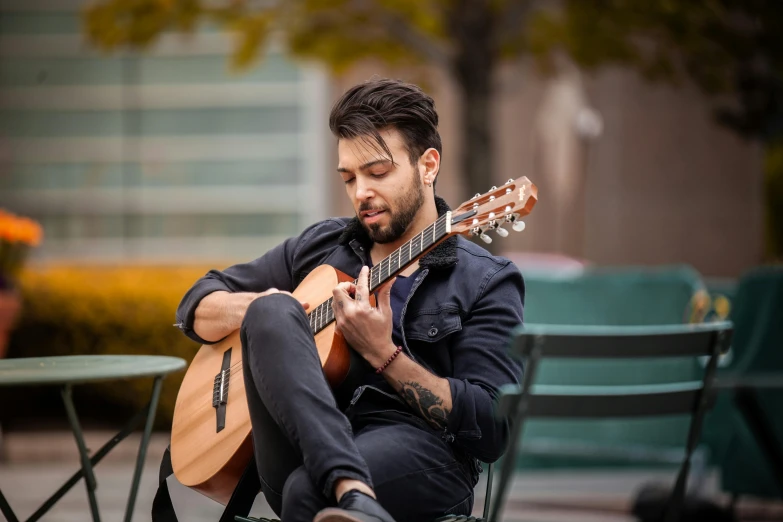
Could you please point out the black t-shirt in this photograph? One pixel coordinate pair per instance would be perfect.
(399, 294)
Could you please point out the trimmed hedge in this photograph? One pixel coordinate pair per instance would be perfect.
(106, 310)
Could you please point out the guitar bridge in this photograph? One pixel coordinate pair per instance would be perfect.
(220, 388)
(220, 391)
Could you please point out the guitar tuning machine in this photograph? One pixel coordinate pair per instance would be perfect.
(518, 224)
(478, 231)
(494, 225)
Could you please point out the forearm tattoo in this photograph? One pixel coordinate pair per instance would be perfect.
(426, 403)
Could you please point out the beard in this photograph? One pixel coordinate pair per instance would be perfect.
(401, 218)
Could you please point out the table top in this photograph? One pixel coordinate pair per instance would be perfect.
(74, 369)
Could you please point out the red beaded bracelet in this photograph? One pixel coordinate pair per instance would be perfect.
(389, 360)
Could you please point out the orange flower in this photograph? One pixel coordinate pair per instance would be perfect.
(14, 229)
(7, 227)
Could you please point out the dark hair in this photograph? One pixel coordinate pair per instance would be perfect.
(376, 104)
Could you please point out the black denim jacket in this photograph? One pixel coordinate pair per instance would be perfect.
(457, 319)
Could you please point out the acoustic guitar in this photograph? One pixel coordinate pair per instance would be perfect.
(211, 442)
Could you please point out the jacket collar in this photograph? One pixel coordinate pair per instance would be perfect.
(442, 256)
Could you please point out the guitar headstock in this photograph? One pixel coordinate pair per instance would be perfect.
(508, 203)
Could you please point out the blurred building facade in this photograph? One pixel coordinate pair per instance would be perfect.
(160, 156)
(167, 156)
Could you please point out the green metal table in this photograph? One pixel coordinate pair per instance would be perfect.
(68, 371)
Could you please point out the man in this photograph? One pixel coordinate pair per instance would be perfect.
(402, 437)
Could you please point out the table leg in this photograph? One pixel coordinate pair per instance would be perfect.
(153, 407)
(89, 475)
(748, 403)
(94, 460)
(5, 509)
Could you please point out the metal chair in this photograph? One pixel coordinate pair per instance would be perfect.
(535, 342)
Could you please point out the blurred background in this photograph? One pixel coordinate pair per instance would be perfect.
(152, 140)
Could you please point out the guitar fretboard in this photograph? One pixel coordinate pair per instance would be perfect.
(323, 314)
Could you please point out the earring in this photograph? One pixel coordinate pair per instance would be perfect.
(427, 182)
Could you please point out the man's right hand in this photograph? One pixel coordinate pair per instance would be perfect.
(221, 313)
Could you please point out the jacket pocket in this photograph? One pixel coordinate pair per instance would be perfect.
(433, 325)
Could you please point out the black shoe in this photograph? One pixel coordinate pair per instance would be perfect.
(354, 506)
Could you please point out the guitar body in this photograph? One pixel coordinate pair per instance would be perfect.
(212, 461)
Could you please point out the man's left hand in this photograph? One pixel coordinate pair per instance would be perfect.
(366, 328)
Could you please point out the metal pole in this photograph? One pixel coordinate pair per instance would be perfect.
(153, 407)
(89, 476)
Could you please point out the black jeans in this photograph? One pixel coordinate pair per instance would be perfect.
(303, 442)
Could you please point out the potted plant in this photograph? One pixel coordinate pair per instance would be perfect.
(17, 236)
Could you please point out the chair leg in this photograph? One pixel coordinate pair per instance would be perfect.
(488, 496)
(674, 507)
(517, 420)
(507, 466)
(5, 509)
(506, 469)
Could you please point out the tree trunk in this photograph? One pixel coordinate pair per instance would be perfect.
(473, 68)
(476, 151)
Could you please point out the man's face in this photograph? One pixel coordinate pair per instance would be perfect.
(386, 196)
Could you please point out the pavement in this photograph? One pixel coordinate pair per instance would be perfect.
(34, 464)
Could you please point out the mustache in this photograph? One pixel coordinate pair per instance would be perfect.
(369, 208)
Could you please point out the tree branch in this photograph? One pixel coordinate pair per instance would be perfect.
(406, 33)
(511, 23)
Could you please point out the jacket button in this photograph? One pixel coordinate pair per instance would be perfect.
(433, 332)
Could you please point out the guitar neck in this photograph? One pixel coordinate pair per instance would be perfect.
(396, 262)
(390, 266)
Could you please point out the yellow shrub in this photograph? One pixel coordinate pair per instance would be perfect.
(107, 310)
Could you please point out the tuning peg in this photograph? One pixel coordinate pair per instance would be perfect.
(485, 238)
(509, 181)
(518, 225)
(494, 225)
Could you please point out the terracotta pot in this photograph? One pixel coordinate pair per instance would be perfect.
(9, 313)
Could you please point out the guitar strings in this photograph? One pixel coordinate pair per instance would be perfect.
(326, 317)
(323, 314)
